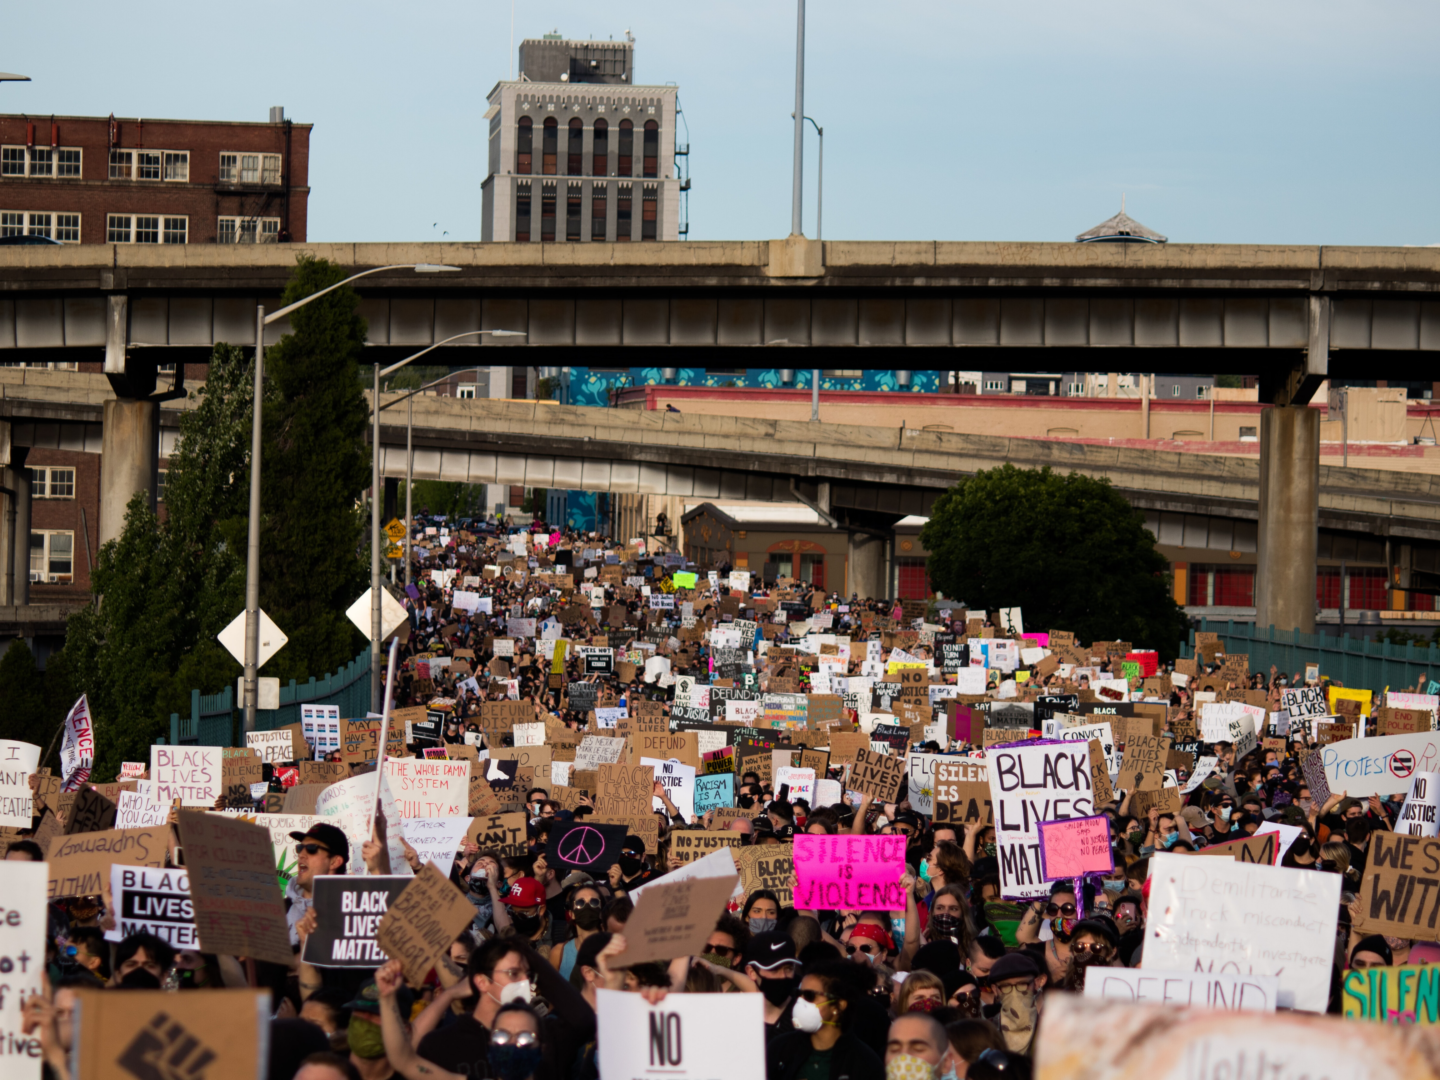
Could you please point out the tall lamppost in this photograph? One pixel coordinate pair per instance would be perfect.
(252, 562)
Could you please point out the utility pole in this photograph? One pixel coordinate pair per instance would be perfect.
(796, 226)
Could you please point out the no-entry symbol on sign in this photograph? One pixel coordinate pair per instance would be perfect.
(1402, 763)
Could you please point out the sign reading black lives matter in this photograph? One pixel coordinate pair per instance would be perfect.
(348, 911)
(1030, 784)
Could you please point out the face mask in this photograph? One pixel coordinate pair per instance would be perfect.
(1137, 837)
(908, 1067)
(513, 1062)
(587, 918)
(924, 869)
(1169, 840)
(516, 991)
(779, 991)
(806, 1017)
(1225, 812)
(761, 926)
(1017, 1017)
(990, 849)
(630, 866)
(1062, 927)
(525, 924)
(747, 801)
(716, 959)
(365, 1038)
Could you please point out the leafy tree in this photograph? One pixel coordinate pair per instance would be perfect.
(316, 469)
(1068, 550)
(22, 689)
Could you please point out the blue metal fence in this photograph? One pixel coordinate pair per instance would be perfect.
(1355, 662)
(213, 719)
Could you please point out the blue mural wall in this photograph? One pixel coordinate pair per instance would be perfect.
(587, 387)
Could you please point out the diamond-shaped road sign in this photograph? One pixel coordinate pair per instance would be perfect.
(395, 530)
(271, 639)
(392, 615)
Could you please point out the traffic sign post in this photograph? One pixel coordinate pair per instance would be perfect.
(395, 530)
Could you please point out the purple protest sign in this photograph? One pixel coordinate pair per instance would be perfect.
(1075, 847)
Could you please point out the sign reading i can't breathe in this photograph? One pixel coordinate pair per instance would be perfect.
(348, 911)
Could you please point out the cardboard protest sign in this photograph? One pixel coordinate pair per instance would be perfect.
(1392, 995)
(348, 912)
(850, 872)
(273, 746)
(1381, 765)
(962, 792)
(1075, 847)
(212, 1034)
(768, 866)
(1030, 784)
(584, 845)
(436, 840)
(624, 789)
(18, 761)
(22, 934)
(238, 908)
(153, 901)
(687, 845)
(323, 773)
(420, 923)
(1177, 989)
(1395, 721)
(429, 788)
(504, 833)
(674, 919)
(191, 774)
(90, 812)
(1085, 1039)
(1226, 915)
(79, 865)
(135, 811)
(1143, 765)
(877, 775)
(690, 1036)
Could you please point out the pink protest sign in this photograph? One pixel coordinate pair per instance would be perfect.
(848, 872)
(1075, 847)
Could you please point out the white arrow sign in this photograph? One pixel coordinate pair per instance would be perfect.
(392, 615)
(271, 639)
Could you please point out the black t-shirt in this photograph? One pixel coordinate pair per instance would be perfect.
(461, 1047)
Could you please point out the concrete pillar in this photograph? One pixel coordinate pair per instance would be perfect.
(127, 462)
(20, 485)
(1289, 517)
(865, 556)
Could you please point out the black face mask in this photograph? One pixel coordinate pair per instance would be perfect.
(747, 801)
(630, 866)
(525, 924)
(779, 991)
(587, 918)
(945, 923)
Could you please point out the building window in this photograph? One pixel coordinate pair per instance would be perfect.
(148, 165)
(649, 212)
(842, 373)
(598, 212)
(177, 166)
(237, 230)
(162, 481)
(269, 168)
(146, 229)
(572, 212)
(62, 227)
(67, 163)
(40, 161)
(522, 212)
(229, 168)
(12, 161)
(913, 583)
(622, 209)
(600, 151)
(994, 384)
(1202, 391)
(122, 165)
(549, 146)
(1249, 434)
(523, 146)
(652, 148)
(1367, 590)
(1175, 390)
(67, 228)
(52, 556)
(627, 149)
(575, 153)
(39, 225)
(52, 483)
(547, 212)
(1234, 586)
(465, 390)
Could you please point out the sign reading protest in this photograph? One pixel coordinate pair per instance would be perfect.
(849, 872)
(1379, 766)
(1030, 784)
(1074, 848)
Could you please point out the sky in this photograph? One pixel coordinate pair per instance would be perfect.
(1278, 121)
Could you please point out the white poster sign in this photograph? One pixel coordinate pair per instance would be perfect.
(1418, 817)
(800, 781)
(191, 774)
(153, 901)
(1234, 993)
(1380, 766)
(139, 811)
(1227, 916)
(22, 945)
(429, 787)
(679, 783)
(684, 1037)
(1304, 701)
(437, 839)
(272, 746)
(921, 770)
(970, 680)
(320, 725)
(18, 761)
(1028, 785)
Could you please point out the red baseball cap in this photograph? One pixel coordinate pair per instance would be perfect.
(875, 933)
(525, 892)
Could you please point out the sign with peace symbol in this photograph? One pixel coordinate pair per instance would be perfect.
(582, 846)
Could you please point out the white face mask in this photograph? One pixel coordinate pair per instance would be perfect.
(806, 1016)
(516, 991)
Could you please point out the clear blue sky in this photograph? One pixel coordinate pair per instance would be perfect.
(1281, 121)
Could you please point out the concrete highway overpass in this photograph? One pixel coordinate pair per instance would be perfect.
(1291, 315)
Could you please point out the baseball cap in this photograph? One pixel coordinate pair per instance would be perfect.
(335, 841)
(1195, 817)
(367, 1000)
(1014, 965)
(525, 892)
(769, 950)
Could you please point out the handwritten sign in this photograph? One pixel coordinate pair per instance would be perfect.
(1075, 847)
(1391, 995)
(192, 774)
(877, 775)
(850, 872)
(1210, 990)
(1030, 784)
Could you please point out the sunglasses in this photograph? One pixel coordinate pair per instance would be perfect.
(311, 849)
(814, 996)
(513, 1038)
(868, 950)
(1067, 910)
(721, 950)
(581, 905)
(1087, 947)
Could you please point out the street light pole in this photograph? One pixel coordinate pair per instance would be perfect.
(820, 192)
(376, 626)
(796, 225)
(409, 482)
(252, 559)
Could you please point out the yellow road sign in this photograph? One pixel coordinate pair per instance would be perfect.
(395, 530)
(395, 551)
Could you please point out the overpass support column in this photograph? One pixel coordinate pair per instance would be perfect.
(127, 459)
(1289, 517)
(866, 557)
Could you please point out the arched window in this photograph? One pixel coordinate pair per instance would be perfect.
(600, 161)
(627, 148)
(652, 148)
(575, 153)
(523, 147)
(548, 147)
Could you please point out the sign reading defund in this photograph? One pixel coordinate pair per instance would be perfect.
(1028, 785)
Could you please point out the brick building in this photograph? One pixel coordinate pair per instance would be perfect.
(97, 180)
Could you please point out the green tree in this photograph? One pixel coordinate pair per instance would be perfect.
(1068, 550)
(22, 689)
(316, 470)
